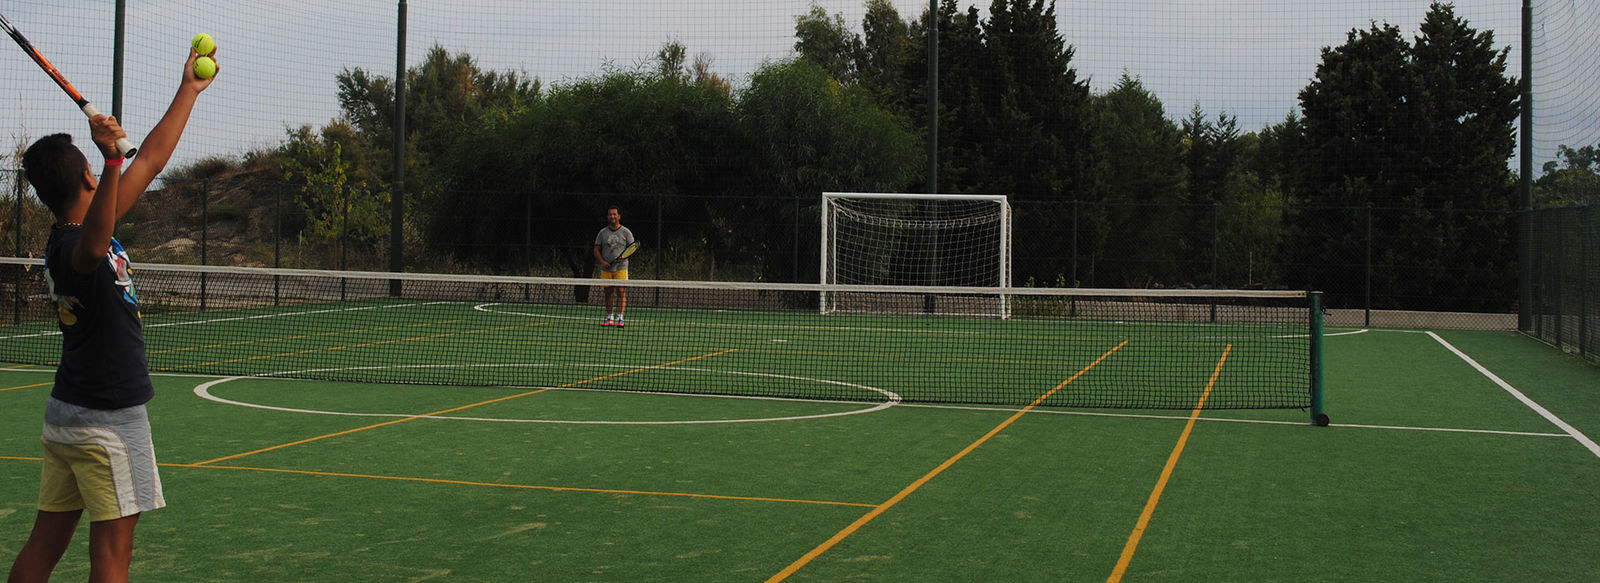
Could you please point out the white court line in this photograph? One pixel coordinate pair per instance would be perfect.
(1571, 431)
(880, 407)
(305, 313)
(1325, 335)
(203, 391)
(240, 318)
(1226, 420)
(488, 309)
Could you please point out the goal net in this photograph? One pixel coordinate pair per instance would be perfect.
(916, 240)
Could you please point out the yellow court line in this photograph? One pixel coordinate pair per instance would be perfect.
(26, 386)
(494, 485)
(1166, 473)
(881, 508)
(523, 486)
(455, 409)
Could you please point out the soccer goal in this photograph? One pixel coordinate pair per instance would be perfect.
(916, 240)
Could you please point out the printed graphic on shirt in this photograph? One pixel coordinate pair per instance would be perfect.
(117, 258)
(119, 265)
(66, 306)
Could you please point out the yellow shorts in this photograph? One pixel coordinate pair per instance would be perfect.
(99, 461)
(618, 274)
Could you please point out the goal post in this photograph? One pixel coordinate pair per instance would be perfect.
(916, 240)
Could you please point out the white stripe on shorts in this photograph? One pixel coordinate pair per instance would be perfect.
(124, 434)
(116, 452)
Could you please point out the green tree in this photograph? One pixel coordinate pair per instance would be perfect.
(448, 99)
(959, 113)
(1421, 131)
(670, 60)
(1213, 157)
(1134, 230)
(340, 206)
(1468, 108)
(1357, 116)
(1031, 131)
(1572, 181)
(807, 135)
(1356, 125)
(445, 95)
(610, 139)
(1236, 224)
(885, 54)
(828, 42)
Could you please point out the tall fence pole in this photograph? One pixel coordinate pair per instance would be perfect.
(1586, 241)
(933, 97)
(205, 235)
(118, 38)
(1367, 292)
(277, 242)
(1525, 255)
(1216, 242)
(19, 191)
(1074, 282)
(397, 194)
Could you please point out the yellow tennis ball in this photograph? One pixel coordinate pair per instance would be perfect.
(205, 67)
(203, 44)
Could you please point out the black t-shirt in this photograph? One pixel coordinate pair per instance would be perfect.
(103, 363)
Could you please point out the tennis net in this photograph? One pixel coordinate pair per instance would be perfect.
(1147, 349)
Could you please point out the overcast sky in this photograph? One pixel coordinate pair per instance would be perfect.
(1248, 58)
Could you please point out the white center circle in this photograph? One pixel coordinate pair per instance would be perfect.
(890, 398)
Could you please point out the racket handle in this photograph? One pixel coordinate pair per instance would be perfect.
(124, 146)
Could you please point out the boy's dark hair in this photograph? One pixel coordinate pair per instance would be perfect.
(53, 166)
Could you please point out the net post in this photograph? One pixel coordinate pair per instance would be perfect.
(205, 234)
(1319, 416)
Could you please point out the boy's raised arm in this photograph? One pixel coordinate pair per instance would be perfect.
(162, 139)
(101, 217)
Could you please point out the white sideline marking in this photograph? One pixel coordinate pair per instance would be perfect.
(1572, 431)
(289, 314)
(241, 318)
(494, 308)
(1226, 420)
(1325, 335)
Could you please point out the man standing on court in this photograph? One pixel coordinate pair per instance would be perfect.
(608, 244)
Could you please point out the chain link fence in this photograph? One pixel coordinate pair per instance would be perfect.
(1565, 289)
(1397, 263)
(1379, 267)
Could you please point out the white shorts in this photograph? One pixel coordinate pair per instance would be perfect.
(99, 460)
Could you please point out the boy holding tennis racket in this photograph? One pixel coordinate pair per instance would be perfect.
(98, 453)
(609, 244)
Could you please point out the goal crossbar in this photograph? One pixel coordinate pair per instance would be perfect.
(909, 239)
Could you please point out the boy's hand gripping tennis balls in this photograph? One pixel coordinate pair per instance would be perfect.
(205, 67)
(203, 44)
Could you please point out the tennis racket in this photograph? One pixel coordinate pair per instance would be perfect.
(626, 251)
(124, 147)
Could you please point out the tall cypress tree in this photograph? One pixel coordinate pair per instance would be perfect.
(1421, 132)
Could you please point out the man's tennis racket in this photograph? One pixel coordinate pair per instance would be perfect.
(124, 147)
(626, 251)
